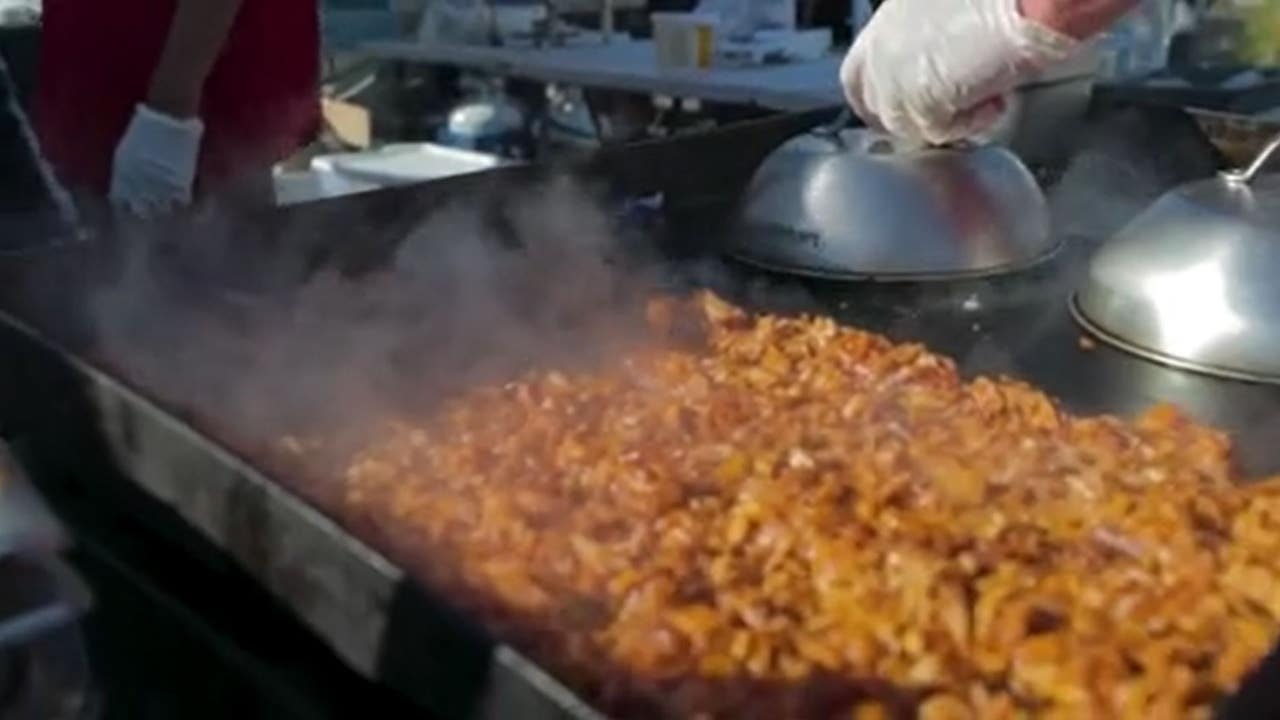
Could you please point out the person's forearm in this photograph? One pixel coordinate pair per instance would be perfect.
(1080, 19)
(196, 36)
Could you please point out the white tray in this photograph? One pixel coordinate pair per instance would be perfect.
(402, 164)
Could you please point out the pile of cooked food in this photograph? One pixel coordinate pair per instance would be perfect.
(780, 517)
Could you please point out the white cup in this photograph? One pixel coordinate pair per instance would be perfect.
(684, 40)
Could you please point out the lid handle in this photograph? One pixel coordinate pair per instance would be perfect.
(831, 130)
(1244, 176)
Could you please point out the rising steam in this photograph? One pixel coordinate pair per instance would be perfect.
(465, 300)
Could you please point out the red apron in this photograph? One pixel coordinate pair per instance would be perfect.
(260, 103)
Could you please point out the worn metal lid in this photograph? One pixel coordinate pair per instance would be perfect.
(858, 204)
(1194, 281)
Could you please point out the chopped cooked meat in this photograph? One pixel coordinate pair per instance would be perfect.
(789, 518)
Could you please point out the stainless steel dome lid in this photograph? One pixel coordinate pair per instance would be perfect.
(858, 204)
(1194, 281)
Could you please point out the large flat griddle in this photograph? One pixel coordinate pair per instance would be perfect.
(133, 450)
(1021, 326)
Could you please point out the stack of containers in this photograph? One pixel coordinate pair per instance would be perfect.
(44, 672)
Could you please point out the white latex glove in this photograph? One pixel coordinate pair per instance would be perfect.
(936, 72)
(155, 163)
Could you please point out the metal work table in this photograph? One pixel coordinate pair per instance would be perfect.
(631, 65)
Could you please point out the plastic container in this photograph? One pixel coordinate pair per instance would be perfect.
(684, 40)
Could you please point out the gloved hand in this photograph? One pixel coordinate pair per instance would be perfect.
(155, 163)
(940, 72)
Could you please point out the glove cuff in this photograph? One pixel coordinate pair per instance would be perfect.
(169, 129)
(1038, 44)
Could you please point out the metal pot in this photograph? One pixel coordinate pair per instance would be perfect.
(857, 204)
(1192, 281)
(490, 123)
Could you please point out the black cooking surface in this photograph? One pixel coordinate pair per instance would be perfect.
(1021, 326)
